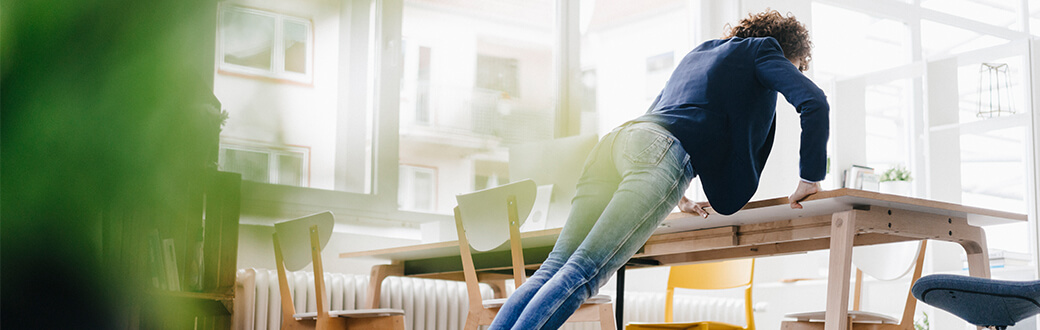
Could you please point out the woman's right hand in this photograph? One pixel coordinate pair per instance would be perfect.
(688, 206)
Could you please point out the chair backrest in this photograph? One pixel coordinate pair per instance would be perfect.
(492, 216)
(295, 237)
(487, 212)
(295, 240)
(886, 262)
(712, 276)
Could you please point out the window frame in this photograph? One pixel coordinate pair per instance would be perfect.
(277, 70)
(273, 162)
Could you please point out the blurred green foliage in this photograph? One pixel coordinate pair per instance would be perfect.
(107, 117)
(898, 173)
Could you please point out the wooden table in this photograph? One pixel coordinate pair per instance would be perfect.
(836, 220)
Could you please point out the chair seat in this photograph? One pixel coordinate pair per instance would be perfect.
(597, 299)
(857, 317)
(352, 313)
(682, 325)
(980, 301)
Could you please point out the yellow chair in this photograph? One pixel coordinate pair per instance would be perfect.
(305, 238)
(706, 276)
(493, 216)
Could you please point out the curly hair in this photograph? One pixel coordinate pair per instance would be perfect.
(791, 34)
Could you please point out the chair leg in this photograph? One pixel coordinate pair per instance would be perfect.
(473, 320)
(606, 317)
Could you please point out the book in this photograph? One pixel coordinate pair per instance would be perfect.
(169, 253)
(1003, 259)
(869, 182)
(156, 269)
(193, 273)
(854, 176)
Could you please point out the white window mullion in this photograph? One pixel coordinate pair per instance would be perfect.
(273, 167)
(278, 56)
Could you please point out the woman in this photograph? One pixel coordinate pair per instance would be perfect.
(715, 118)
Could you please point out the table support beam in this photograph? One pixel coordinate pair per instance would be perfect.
(843, 230)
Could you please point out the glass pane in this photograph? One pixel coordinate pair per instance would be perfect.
(993, 175)
(477, 78)
(295, 46)
(247, 39)
(997, 13)
(498, 74)
(658, 69)
(252, 165)
(290, 170)
(888, 108)
(940, 40)
(628, 51)
(1034, 17)
(840, 37)
(423, 187)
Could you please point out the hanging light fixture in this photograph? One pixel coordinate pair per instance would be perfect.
(994, 91)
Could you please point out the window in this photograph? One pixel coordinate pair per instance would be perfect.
(629, 48)
(477, 78)
(285, 166)
(417, 188)
(498, 74)
(888, 108)
(266, 44)
(658, 69)
(415, 84)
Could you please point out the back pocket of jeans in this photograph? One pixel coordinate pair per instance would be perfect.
(646, 146)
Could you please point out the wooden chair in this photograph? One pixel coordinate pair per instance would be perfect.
(494, 216)
(308, 236)
(706, 276)
(861, 320)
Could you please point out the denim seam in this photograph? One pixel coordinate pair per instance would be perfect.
(613, 253)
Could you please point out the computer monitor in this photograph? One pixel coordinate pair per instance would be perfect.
(556, 162)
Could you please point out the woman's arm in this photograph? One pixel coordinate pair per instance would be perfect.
(777, 73)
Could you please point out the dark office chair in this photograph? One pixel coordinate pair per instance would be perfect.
(980, 301)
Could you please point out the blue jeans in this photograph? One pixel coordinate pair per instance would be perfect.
(632, 180)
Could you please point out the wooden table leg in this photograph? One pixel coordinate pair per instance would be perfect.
(978, 255)
(375, 282)
(843, 230)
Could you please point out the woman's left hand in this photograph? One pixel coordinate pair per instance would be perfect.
(688, 206)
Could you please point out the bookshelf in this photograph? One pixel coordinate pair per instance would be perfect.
(205, 249)
(180, 256)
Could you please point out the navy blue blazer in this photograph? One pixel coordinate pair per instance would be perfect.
(720, 102)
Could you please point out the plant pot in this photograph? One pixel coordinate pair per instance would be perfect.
(901, 188)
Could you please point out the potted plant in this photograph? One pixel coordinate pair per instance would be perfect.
(896, 181)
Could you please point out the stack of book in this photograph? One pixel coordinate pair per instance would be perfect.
(861, 177)
(1003, 259)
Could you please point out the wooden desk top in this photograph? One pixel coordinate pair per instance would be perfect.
(831, 201)
(768, 210)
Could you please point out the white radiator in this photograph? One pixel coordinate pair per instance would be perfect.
(434, 304)
(649, 307)
(427, 304)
